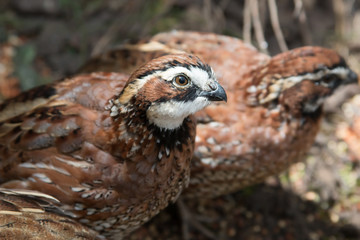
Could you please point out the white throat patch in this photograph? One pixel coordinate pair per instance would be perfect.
(171, 114)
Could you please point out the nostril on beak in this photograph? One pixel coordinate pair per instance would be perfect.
(212, 86)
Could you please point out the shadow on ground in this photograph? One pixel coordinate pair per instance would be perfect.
(258, 213)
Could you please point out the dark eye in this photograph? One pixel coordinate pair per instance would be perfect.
(329, 81)
(181, 80)
(328, 78)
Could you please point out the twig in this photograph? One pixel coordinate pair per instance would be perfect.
(300, 13)
(127, 13)
(214, 16)
(111, 32)
(105, 40)
(207, 13)
(274, 17)
(223, 4)
(188, 218)
(247, 22)
(340, 17)
(259, 33)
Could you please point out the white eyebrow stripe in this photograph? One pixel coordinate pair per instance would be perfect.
(196, 74)
(342, 71)
(287, 82)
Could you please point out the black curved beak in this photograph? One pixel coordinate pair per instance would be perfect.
(352, 77)
(217, 94)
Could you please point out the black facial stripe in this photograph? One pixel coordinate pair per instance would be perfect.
(342, 63)
(189, 94)
(208, 70)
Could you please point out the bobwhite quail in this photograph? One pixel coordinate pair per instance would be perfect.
(113, 152)
(273, 112)
(26, 214)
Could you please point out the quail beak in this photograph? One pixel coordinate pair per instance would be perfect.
(217, 93)
(352, 77)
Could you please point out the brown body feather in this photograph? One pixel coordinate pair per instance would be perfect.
(89, 144)
(34, 215)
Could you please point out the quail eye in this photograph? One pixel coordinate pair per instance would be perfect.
(328, 81)
(181, 80)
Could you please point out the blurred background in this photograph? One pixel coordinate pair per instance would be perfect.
(42, 40)
(45, 40)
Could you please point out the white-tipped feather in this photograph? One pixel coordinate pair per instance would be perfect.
(28, 193)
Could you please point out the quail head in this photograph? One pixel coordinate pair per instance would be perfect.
(113, 152)
(273, 112)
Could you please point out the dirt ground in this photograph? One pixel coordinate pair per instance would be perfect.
(44, 40)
